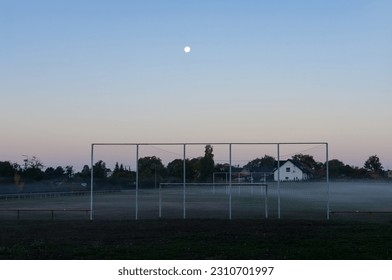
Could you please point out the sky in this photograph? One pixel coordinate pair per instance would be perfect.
(74, 73)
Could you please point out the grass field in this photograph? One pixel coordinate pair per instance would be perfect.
(302, 233)
(299, 200)
(195, 239)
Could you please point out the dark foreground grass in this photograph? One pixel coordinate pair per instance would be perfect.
(195, 239)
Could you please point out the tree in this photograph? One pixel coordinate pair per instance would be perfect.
(120, 171)
(336, 168)
(194, 169)
(360, 173)
(175, 168)
(116, 169)
(207, 163)
(7, 169)
(121, 176)
(86, 172)
(149, 166)
(59, 172)
(34, 163)
(373, 164)
(33, 169)
(49, 173)
(308, 161)
(100, 170)
(266, 163)
(69, 171)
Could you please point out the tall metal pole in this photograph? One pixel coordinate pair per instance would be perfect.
(226, 182)
(327, 174)
(229, 181)
(184, 184)
(278, 146)
(266, 201)
(155, 181)
(92, 183)
(137, 184)
(213, 183)
(160, 201)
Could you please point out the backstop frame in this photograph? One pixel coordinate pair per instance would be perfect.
(184, 145)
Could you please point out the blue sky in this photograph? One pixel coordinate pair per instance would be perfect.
(77, 72)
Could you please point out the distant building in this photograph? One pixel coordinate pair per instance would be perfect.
(389, 174)
(291, 170)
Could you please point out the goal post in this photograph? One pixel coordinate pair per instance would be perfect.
(214, 193)
(230, 161)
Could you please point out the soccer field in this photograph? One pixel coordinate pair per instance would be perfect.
(298, 200)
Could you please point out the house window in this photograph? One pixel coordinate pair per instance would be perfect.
(287, 169)
(287, 178)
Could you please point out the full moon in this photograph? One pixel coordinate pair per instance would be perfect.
(187, 49)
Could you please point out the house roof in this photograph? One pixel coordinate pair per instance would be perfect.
(297, 163)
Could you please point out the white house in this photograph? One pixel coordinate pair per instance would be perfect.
(291, 170)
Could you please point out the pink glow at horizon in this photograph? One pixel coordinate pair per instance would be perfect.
(77, 72)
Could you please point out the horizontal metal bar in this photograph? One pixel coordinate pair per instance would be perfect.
(360, 212)
(216, 143)
(211, 184)
(209, 143)
(42, 209)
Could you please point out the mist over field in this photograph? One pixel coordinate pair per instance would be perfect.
(298, 200)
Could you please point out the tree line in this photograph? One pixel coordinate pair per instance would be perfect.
(200, 169)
